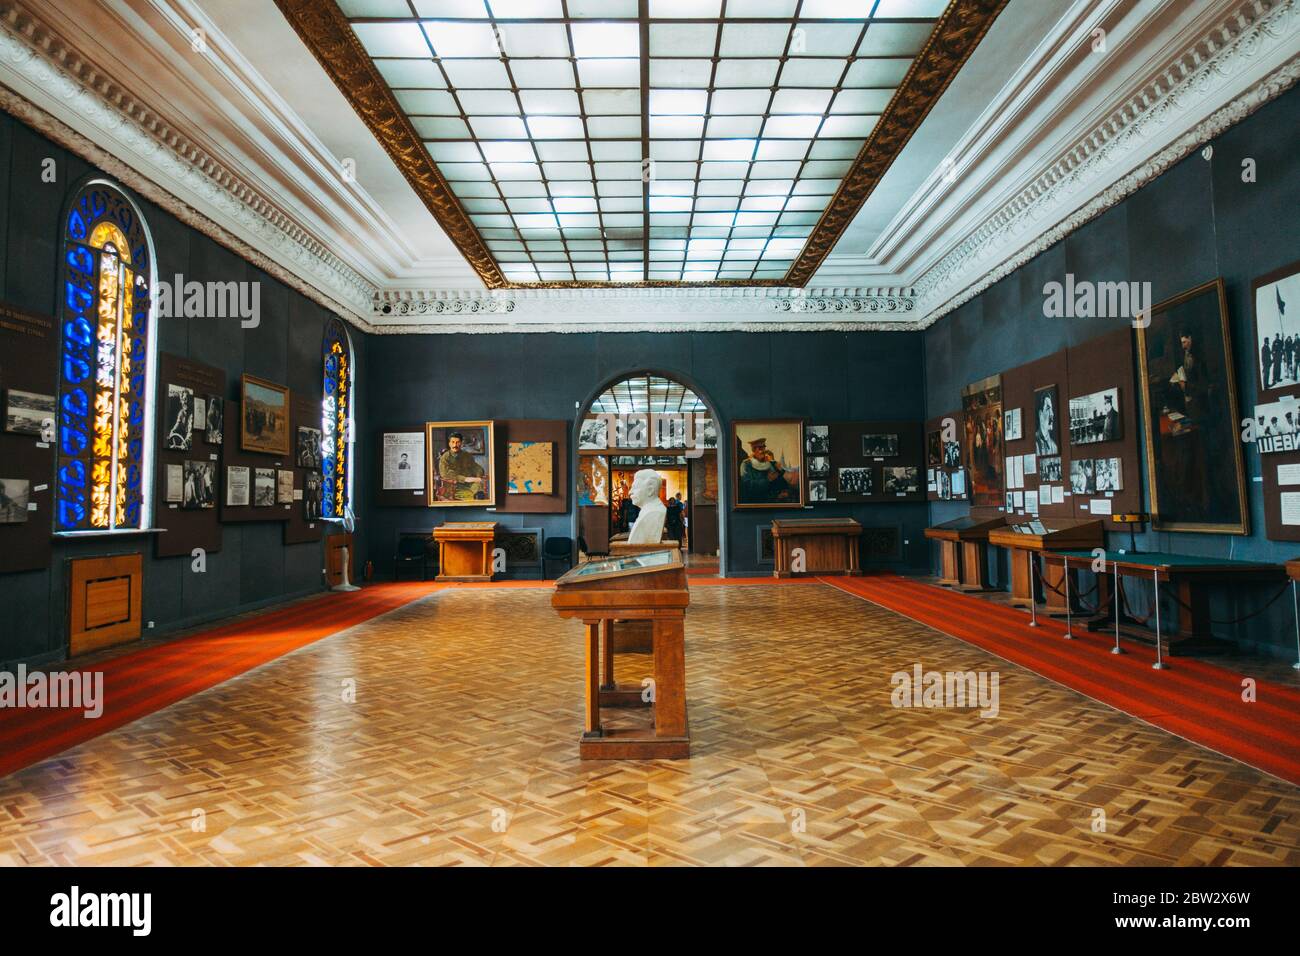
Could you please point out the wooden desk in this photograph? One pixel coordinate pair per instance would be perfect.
(1028, 539)
(830, 546)
(465, 550)
(640, 587)
(1192, 578)
(963, 555)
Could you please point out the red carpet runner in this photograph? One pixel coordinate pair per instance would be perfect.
(146, 680)
(1196, 699)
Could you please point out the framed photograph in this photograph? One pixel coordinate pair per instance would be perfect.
(308, 451)
(15, 493)
(1277, 330)
(403, 459)
(265, 419)
(460, 461)
(767, 463)
(1011, 425)
(1083, 479)
(817, 440)
(706, 432)
(819, 467)
(819, 490)
(215, 431)
(1046, 427)
(593, 434)
(1108, 474)
(530, 467)
(200, 487)
(952, 454)
(201, 415)
(945, 486)
(29, 413)
(179, 418)
(311, 496)
(1195, 472)
(263, 487)
(670, 431)
(593, 480)
(879, 446)
(854, 481)
(174, 492)
(1095, 418)
(981, 405)
(901, 480)
(284, 486)
(632, 431)
(1049, 469)
(1277, 427)
(934, 448)
(237, 490)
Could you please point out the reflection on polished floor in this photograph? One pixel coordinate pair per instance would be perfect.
(461, 748)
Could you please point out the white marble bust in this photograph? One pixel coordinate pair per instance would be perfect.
(649, 526)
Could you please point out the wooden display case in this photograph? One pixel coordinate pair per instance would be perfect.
(465, 550)
(1026, 540)
(649, 587)
(830, 546)
(963, 555)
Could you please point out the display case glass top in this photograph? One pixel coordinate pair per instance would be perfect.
(623, 565)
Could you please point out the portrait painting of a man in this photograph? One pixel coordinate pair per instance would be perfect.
(460, 463)
(768, 463)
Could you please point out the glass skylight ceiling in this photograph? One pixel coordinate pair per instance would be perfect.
(633, 140)
(647, 393)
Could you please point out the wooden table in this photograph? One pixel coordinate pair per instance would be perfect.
(1191, 576)
(465, 550)
(1028, 539)
(963, 555)
(639, 587)
(829, 545)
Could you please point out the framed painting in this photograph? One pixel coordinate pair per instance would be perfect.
(767, 467)
(593, 480)
(264, 416)
(530, 467)
(981, 405)
(460, 464)
(1189, 404)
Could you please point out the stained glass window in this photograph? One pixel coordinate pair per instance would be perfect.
(336, 413)
(104, 440)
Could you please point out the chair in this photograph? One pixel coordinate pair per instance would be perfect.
(583, 549)
(412, 547)
(557, 549)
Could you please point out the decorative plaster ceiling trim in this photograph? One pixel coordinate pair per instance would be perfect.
(722, 324)
(41, 73)
(997, 247)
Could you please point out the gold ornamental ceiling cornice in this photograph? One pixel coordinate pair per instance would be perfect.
(326, 32)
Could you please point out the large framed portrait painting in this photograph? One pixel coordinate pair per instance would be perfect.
(981, 407)
(1189, 403)
(460, 464)
(768, 463)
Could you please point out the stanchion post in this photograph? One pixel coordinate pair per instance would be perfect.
(1065, 576)
(1033, 595)
(1114, 597)
(1295, 604)
(1155, 579)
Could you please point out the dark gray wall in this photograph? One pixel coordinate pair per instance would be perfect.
(1197, 221)
(820, 376)
(253, 567)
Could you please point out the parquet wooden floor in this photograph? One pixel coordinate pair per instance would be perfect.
(461, 748)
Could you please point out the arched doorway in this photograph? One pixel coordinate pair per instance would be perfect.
(648, 419)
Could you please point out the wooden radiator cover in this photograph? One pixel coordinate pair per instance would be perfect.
(104, 602)
(334, 545)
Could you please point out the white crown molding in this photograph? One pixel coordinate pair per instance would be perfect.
(1245, 59)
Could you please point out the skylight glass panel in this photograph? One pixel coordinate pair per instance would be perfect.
(598, 40)
(534, 40)
(683, 39)
(554, 127)
(470, 9)
(392, 39)
(435, 102)
(461, 39)
(754, 39)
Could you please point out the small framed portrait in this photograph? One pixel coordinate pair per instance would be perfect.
(265, 416)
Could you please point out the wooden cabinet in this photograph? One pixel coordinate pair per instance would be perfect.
(1025, 542)
(963, 555)
(465, 550)
(104, 602)
(816, 546)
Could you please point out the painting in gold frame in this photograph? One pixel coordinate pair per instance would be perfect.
(460, 464)
(767, 469)
(263, 416)
(1189, 406)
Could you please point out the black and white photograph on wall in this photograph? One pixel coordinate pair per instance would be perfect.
(706, 432)
(263, 487)
(403, 461)
(200, 489)
(1045, 422)
(879, 446)
(1010, 502)
(903, 479)
(819, 466)
(311, 496)
(237, 493)
(1108, 474)
(283, 486)
(200, 420)
(1083, 479)
(817, 440)
(945, 486)
(594, 433)
(952, 454)
(670, 431)
(29, 413)
(14, 495)
(1095, 417)
(1011, 428)
(1277, 332)
(855, 481)
(632, 430)
(216, 426)
(309, 452)
(174, 493)
(1277, 427)
(934, 449)
(819, 490)
(1049, 469)
(179, 418)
